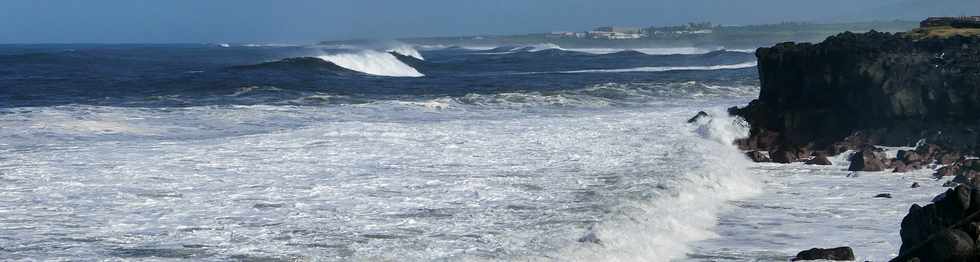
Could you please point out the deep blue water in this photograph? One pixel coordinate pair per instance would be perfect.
(189, 75)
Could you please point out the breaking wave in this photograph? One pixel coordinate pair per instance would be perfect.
(690, 50)
(686, 209)
(603, 95)
(374, 63)
(666, 68)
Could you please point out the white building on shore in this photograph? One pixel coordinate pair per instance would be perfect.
(610, 32)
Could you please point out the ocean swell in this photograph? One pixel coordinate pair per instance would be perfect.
(373, 62)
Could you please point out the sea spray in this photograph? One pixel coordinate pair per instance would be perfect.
(373, 62)
(687, 208)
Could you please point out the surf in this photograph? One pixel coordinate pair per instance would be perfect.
(373, 63)
(667, 68)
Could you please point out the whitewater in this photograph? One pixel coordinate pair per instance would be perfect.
(394, 154)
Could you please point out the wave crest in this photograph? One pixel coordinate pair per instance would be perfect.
(373, 63)
(667, 68)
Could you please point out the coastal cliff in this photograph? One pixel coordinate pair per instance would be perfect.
(878, 88)
(856, 91)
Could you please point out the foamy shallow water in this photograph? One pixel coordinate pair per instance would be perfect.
(382, 181)
(803, 207)
(421, 181)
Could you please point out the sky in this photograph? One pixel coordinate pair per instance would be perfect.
(304, 21)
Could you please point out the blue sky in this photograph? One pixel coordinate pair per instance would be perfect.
(168, 21)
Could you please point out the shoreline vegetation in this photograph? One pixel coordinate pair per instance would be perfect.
(855, 92)
(728, 36)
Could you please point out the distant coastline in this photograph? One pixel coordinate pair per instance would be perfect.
(728, 36)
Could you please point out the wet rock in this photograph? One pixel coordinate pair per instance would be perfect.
(932, 223)
(698, 117)
(757, 156)
(915, 185)
(819, 159)
(908, 156)
(889, 88)
(884, 195)
(838, 254)
(868, 159)
(760, 140)
(783, 156)
(948, 157)
(950, 245)
(900, 167)
(950, 170)
(928, 151)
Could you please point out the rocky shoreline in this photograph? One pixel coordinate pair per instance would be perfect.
(854, 92)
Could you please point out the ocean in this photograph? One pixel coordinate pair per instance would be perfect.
(392, 152)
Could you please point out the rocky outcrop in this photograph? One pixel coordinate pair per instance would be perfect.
(877, 88)
(839, 253)
(869, 158)
(819, 159)
(854, 91)
(946, 230)
(757, 156)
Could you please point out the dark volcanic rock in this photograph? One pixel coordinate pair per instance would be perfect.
(893, 89)
(900, 167)
(783, 156)
(761, 140)
(939, 231)
(868, 159)
(840, 254)
(819, 159)
(908, 156)
(757, 156)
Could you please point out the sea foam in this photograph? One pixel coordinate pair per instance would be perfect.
(374, 63)
(686, 211)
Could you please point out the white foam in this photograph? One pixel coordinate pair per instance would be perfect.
(373, 62)
(538, 47)
(663, 229)
(666, 68)
(649, 51)
(365, 183)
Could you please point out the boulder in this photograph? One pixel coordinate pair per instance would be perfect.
(757, 156)
(935, 220)
(783, 156)
(883, 195)
(838, 254)
(819, 159)
(950, 170)
(868, 159)
(900, 167)
(948, 157)
(950, 245)
(908, 156)
(915, 185)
